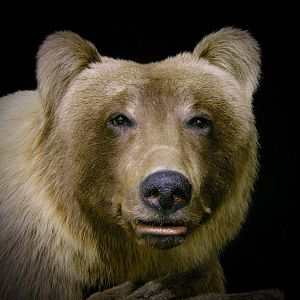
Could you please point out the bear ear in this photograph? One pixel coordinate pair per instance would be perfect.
(235, 51)
(61, 57)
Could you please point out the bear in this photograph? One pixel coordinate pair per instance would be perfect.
(124, 180)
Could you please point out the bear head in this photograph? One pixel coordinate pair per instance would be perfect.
(161, 150)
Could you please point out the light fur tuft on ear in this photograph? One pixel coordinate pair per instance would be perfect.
(61, 57)
(235, 51)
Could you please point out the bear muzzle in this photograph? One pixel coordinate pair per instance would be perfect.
(165, 192)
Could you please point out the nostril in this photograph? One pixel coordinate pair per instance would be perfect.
(166, 191)
(152, 198)
(153, 193)
(182, 193)
(179, 201)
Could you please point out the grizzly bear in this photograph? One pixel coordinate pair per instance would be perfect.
(123, 178)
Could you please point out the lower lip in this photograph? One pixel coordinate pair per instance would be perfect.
(143, 229)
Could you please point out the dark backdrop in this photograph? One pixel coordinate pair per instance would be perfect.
(264, 255)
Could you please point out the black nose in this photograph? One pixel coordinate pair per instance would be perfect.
(166, 191)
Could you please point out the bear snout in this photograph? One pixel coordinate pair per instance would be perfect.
(166, 191)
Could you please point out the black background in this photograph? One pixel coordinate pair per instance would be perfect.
(264, 255)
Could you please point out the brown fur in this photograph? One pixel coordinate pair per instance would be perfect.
(69, 198)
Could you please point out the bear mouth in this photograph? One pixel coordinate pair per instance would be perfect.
(162, 236)
(160, 229)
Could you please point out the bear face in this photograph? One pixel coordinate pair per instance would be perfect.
(119, 123)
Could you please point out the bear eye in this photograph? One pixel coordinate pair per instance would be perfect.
(200, 122)
(121, 121)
